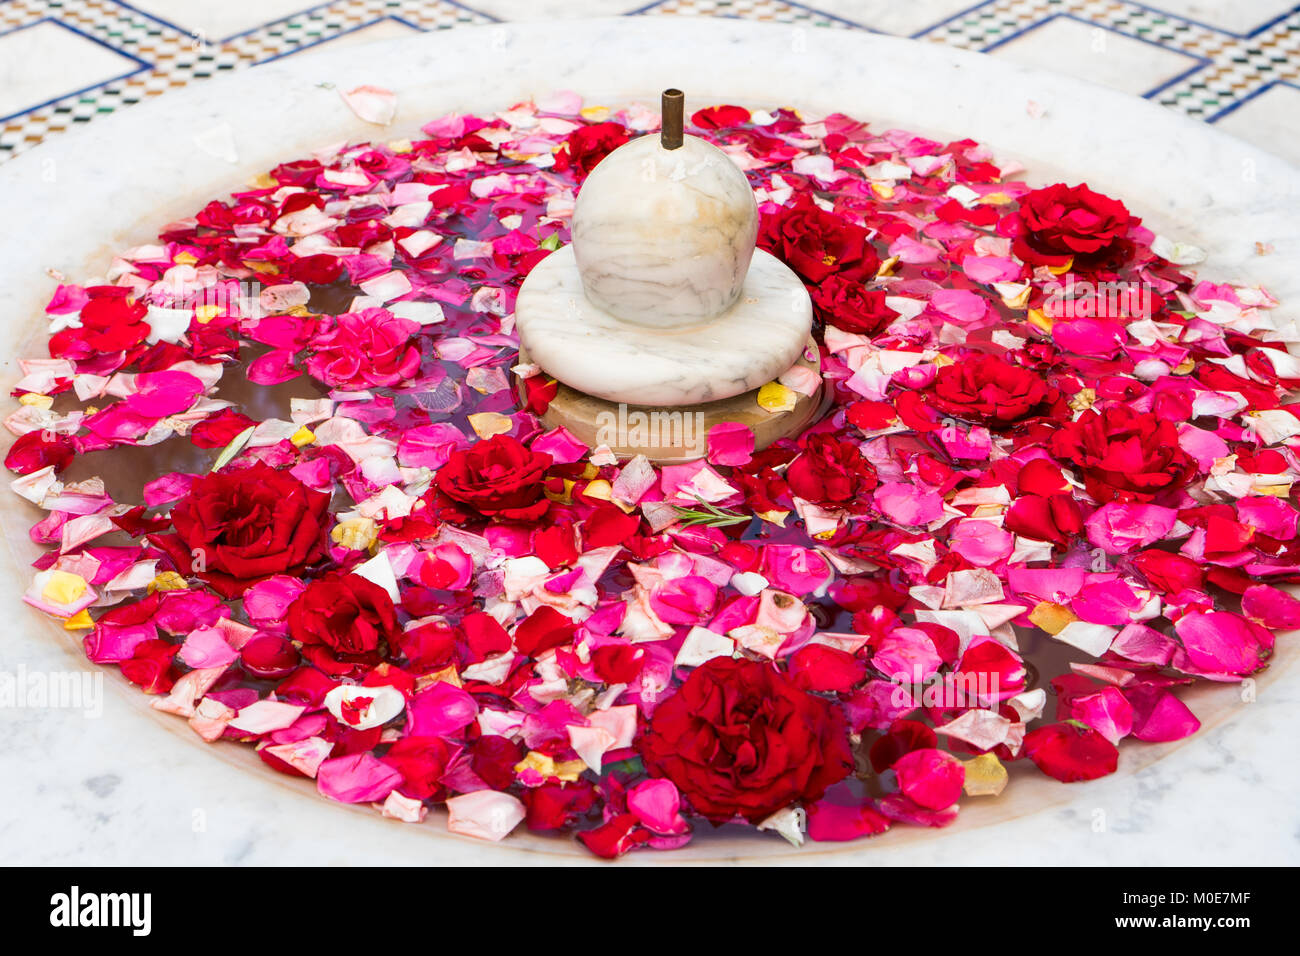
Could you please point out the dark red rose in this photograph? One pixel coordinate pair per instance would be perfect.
(587, 146)
(846, 304)
(831, 472)
(1124, 455)
(342, 620)
(818, 244)
(740, 738)
(235, 528)
(498, 478)
(366, 348)
(1059, 222)
(991, 391)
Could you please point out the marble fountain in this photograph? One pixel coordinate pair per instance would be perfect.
(662, 303)
(134, 786)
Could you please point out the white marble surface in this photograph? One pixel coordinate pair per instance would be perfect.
(586, 348)
(133, 786)
(663, 237)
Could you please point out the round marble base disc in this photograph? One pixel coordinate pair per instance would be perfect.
(593, 352)
(668, 435)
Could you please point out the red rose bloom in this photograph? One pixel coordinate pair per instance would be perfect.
(236, 528)
(1124, 455)
(845, 304)
(989, 390)
(740, 738)
(818, 244)
(587, 146)
(343, 620)
(498, 478)
(366, 348)
(1060, 221)
(831, 472)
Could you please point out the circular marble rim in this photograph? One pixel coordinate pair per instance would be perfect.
(732, 350)
(111, 184)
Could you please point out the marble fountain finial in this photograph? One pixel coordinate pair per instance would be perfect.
(662, 304)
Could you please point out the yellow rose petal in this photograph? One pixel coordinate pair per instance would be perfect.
(487, 424)
(775, 397)
(1083, 399)
(63, 587)
(206, 313)
(167, 581)
(355, 534)
(303, 436)
(1062, 269)
(79, 621)
(594, 114)
(1052, 618)
(1018, 300)
(600, 489)
(774, 517)
(536, 761)
(985, 776)
(184, 259)
(36, 400)
(569, 770)
(1041, 319)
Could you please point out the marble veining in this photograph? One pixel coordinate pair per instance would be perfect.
(586, 348)
(663, 238)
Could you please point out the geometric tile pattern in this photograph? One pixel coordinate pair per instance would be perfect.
(1215, 57)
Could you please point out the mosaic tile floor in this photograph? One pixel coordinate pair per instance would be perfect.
(1234, 63)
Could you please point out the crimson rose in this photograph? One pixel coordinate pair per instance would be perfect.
(1124, 455)
(845, 304)
(366, 348)
(236, 528)
(740, 738)
(990, 391)
(1060, 221)
(341, 620)
(818, 244)
(831, 472)
(498, 478)
(587, 146)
